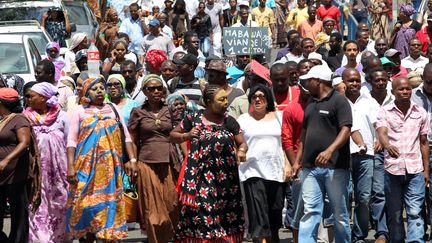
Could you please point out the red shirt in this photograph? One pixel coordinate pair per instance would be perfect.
(283, 100)
(424, 37)
(332, 12)
(292, 121)
(403, 73)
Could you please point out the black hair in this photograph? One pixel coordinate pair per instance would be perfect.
(13, 106)
(28, 86)
(350, 42)
(306, 39)
(278, 67)
(374, 70)
(268, 95)
(361, 31)
(128, 62)
(209, 92)
(295, 41)
(47, 66)
(119, 41)
(121, 35)
(290, 32)
(176, 9)
(134, 5)
(187, 36)
(337, 36)
(291, 64)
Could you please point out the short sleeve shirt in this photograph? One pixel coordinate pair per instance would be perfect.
(332, 12)
(264, 17)
(214, 11)
(17, 169)
(323, 120)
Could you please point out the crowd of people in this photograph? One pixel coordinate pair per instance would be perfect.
(330, 140)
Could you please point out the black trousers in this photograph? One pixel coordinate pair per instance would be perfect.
(16, 195)
(265, 201)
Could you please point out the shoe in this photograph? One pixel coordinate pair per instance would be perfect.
(381, 239)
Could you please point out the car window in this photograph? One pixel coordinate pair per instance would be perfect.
(38, 38)
(35, 56)
(13, 58)
(77, 15)
(23, 13)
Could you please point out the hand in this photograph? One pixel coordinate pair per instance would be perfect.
(193, 133)
(131, 170)
(378, 147)
(241, 156)
(363, 149)
(288, 172)
(397, 26)
(426, 177)
(3, 164)
(323, 158)
(65, 13)
(393, 151)
(105, 43)
(296, 170)
(71, 176)
(113, 54)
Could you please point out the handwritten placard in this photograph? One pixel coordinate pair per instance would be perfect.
(246, 40)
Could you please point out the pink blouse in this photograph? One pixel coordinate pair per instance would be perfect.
(82, 113)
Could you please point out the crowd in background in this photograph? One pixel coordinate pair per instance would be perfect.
(330, 140)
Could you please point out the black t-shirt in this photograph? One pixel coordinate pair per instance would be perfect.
(334, 60)
(323, 120)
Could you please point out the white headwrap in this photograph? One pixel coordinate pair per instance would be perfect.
(76, 40)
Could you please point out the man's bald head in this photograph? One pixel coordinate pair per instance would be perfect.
(397, 82)
(349, 71)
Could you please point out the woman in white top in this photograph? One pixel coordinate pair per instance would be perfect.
(266, 167)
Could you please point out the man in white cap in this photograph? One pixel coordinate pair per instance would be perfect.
(324, 156)
(245, 18)
(394, 56)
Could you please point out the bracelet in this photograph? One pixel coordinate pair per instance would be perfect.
(242, 150)
(133, 160)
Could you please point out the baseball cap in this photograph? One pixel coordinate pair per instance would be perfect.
(314, 55)
(188, 58)
(391, 52)
(80, 55)
(385, 60)
(154, 23)
(244, 3)
(217, 65)
(319, 72)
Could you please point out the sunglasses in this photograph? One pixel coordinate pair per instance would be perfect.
(113, 84)
(154, 88)
(261, 97)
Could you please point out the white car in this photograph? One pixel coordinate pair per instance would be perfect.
(18, 55)
(31, 28)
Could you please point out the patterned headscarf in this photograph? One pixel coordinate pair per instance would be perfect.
(407, 9)
(47, 90)
(122, 80)
(155, 58)
(174, 97)
(151, 77)
(87, 85)
(12, 81)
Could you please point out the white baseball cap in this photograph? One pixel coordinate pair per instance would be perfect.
(319, 72)
(244, 3)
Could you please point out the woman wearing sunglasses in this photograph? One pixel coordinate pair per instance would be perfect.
(150, 126)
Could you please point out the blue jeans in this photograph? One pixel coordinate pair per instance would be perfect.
(295, 211)
(362, 172)
(317, 182)
(205, 45)
(408, 190)
(377, 202)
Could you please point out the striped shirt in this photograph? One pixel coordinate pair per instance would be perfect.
(404, 133)
(192, 90)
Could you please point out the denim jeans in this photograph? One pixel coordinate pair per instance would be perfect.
(317, 182)
(295, 210)
(205, 45)
(408, 190)
(362, 172)
(378, 202)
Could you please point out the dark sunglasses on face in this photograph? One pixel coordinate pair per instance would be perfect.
(113, 84)
(154, 88)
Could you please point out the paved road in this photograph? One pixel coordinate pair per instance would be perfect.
(136, 236)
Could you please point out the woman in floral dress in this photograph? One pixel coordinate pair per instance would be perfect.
(210, 197)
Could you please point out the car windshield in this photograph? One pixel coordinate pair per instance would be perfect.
(13, 58)
(38, 39)
(77, 14)
(23, 13)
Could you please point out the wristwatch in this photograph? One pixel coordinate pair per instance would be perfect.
(133, 160)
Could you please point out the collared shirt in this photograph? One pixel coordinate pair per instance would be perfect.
(424, 37)
(415, 64)
(404, 133)
(265, 17)
(310, 30)
(134, 30)
(364, 111)
(292, 121)
(291, 57)
(323, 120)
(161, 42)
(420, 98)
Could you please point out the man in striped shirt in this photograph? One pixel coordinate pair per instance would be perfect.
(403, 127)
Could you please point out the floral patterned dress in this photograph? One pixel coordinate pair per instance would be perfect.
(211, 208)
(57, 31)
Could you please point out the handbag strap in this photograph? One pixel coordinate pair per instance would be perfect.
(6, 120)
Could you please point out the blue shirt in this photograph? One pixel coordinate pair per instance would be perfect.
(235, 73)
(134, 31)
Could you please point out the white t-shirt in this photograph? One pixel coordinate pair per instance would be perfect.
(265, 157)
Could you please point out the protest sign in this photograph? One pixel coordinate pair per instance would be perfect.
(246, 40)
